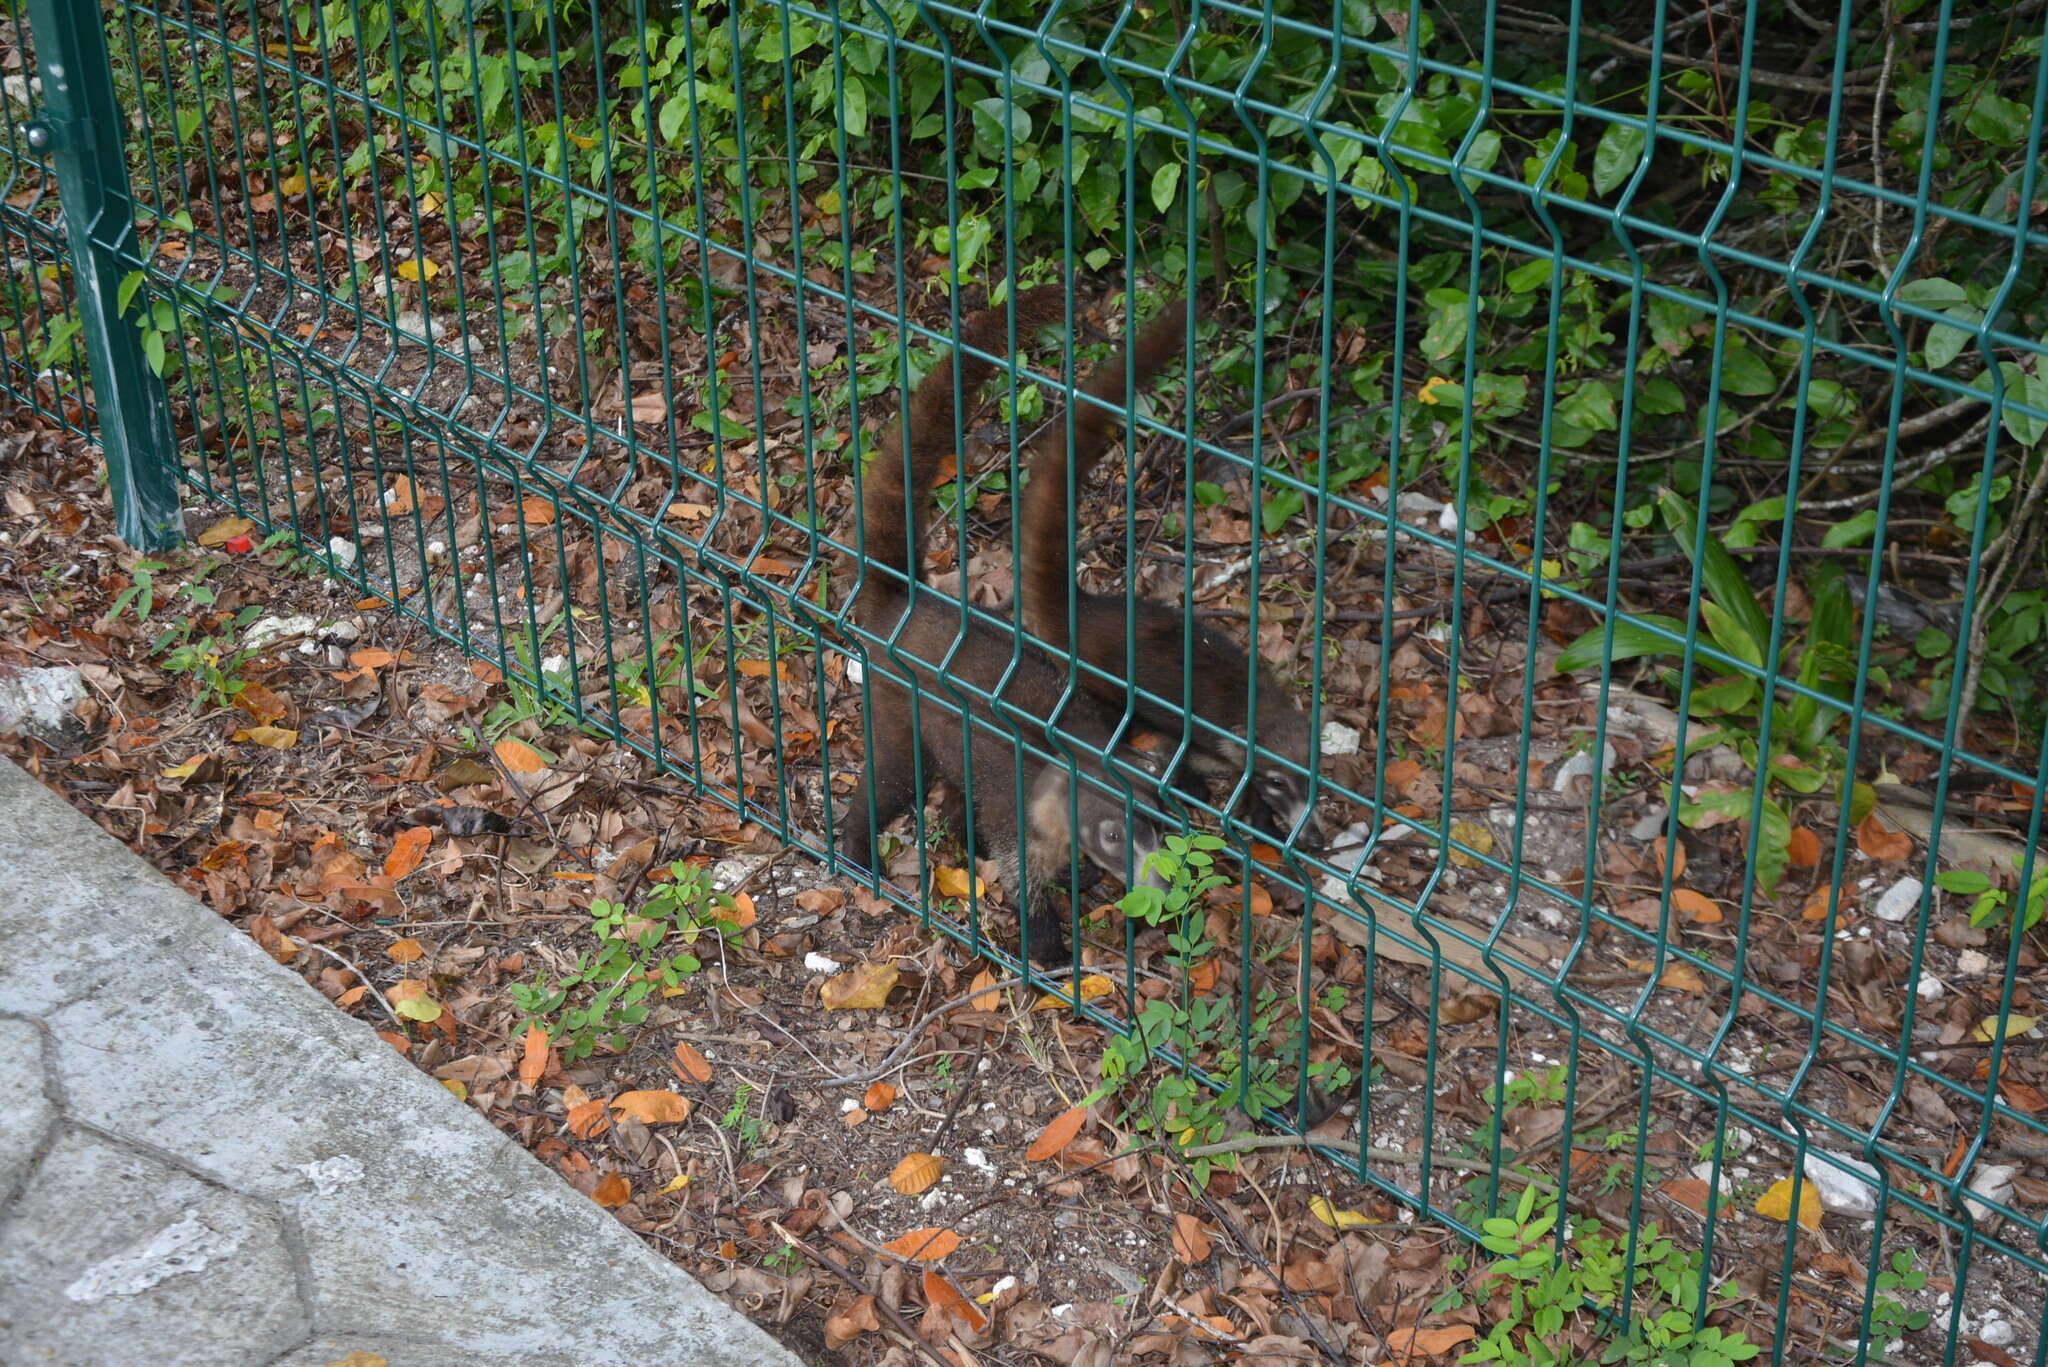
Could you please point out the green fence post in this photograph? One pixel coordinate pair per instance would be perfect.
(80, 130)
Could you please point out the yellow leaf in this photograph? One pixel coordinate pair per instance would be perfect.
(519, 757)
(862, 989)
(658, 1107)
(2015, 1026)
(293, 184)
(225, 530)
(1776, 1204)
(425, 1010)
(916, 1172)
(676, 1183)
(417, 269)
(457, 1086)
(188, 768)
(1092, 986)
(406, 950)
(1433, 390)
(1474, 836)
(1322, 1209)
(954, 882)
(270, 737)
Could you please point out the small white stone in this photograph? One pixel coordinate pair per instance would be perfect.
(1971, 964)
(1853, 1192)
(1416, 504)
(1002, 1284)
(848, 1106)
(1899, 901)
(187, 1245)
(343, 552)
(554, 664)
(1339, 739)
(1997, 1332)
(977, 1160)
(1741, 1140)
(1448, 518)
(436, 549)
(270, 630)
(343, 631)
(814, 962)
(854, 673)
(1929, 987)
(1993, 1182)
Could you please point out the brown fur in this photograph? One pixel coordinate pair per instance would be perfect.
(926, 630)
(1222, 689)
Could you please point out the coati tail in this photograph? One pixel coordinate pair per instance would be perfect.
(920, 439)
(1045, 575)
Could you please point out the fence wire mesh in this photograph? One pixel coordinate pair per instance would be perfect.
(1619, 427)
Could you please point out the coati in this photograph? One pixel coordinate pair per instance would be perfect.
(943, 647)
(1220, 684)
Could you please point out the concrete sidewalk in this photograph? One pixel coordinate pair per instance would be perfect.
(205, 1162)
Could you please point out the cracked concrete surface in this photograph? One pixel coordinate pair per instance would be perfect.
(202, 1161)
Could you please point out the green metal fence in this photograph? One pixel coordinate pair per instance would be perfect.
(1698, 340)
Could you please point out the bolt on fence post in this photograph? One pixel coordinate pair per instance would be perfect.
(81, 131)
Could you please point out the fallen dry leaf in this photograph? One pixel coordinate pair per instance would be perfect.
(1803, 849)
(692, 1065)
(1776, 1204)
(1696, 905)
(270, 737)
(864, 988)
(942, 1295)
(914, 1173)
(1878, 840)
(533, 1055)
(1057, 1135)
(408, 850)
(926, 1245)
(657, 1107)
(1190, 1240)
(406, 951)
(537, 510)
(588, 1119)
(614, 1191)
(227, 529)
(880, 1097)
(519, 757)
(954, 883)
(984, 1001)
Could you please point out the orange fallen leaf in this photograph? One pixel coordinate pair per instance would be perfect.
(854, 1117)
(926, 1245)
(588, 1120)
(1683, 977)
(864, 988)
(404, 496)
(761, 669)
(519, 757)
(984, 1001)
(1419, 1342)
(2022, 1097)
(742, 908)
(275, 942)
(537, 510)
(1056, 1135)
(943, 1296)
(614, 1191)
(1878, 840)
(1657, 850)
(914, 1173)
(260, 702)
(1190, 1240)
(692, 1065)
(656, 1107)
(1696, 905)
(372, 658)
(1689, 1192)
(533, 1055)
(406, 951)
(1401, 776)
(408, 850)
(1202, 977)
(1803, 849)
(1816, 908)
(880, 1097)
(768, 564)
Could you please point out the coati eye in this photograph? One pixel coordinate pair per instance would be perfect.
(1111, 835)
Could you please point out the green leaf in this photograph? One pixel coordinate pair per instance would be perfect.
(1722, 577)
(1615, 159)
(1932, 292)
(1632, 640)
(1968, 882)
(1945, 343)
(1165, 185)
(1996, 119)
(126, 296)
(1744, 372)
(1853, 532)
(1729, 634)
(854, 111)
